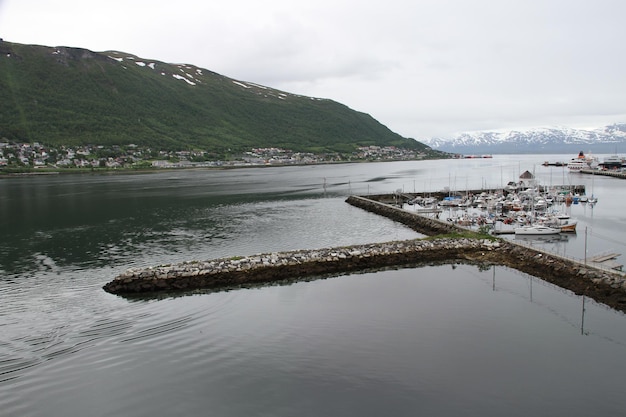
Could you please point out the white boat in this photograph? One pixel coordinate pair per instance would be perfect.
(536, 229)
(512, 187)
(582, 162)
(541, 204)
(576, 164)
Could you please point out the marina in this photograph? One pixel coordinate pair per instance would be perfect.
(523, 209)
(501, 210)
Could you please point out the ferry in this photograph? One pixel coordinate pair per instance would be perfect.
(582, 162)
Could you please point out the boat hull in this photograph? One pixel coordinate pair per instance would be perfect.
(537, 230)
(568, 228)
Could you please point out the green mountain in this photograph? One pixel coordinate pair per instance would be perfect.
(72, 96)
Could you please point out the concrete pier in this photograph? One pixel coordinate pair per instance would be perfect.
(615, 174)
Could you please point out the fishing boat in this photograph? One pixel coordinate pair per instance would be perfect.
(565, 223)
(536, 229)
(569, 227)
(560, 221)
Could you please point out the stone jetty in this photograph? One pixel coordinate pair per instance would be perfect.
(278, 266)
(606, 286)
(454, 245)
(422, 224)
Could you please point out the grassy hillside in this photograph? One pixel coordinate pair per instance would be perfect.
(71, 96)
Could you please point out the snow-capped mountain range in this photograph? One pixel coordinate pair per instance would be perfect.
(609, 139)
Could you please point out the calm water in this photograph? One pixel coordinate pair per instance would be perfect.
(436, 340)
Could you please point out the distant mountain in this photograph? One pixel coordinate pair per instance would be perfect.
(72, 96)
(609, 139)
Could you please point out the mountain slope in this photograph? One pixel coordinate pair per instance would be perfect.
(72, 96)
(609, 139)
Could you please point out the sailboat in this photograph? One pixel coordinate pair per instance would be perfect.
(593, 199)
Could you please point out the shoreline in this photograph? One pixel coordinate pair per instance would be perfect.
(130, 170)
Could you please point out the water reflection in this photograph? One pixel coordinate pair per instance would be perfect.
(559, 244)
(535, 290)
(502, 279)
(433, 330)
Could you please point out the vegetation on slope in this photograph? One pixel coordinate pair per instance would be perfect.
(70, 96)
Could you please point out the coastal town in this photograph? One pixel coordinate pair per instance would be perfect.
(36, 156)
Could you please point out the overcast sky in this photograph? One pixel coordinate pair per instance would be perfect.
(423, 68)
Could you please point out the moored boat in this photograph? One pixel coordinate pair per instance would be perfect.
(582, 162)
(565, 223)
(560, 221)
(569, 227)
(536, 229)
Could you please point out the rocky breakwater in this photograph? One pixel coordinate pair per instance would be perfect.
(422, 224)
(605, 286)
(294, 265)
(608, 287)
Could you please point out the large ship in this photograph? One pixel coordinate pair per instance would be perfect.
(582, 162)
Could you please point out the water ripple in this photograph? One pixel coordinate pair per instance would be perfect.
(160, 329)
(11, 368)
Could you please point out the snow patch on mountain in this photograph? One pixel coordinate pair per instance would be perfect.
(608, 139)
(180, 77)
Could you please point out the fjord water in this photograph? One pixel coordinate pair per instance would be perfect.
(442, 340)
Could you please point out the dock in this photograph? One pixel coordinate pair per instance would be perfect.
(614, 174)
(607, 260)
